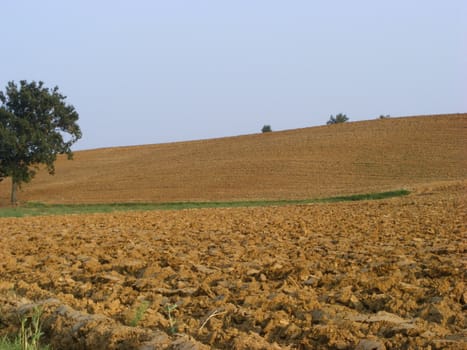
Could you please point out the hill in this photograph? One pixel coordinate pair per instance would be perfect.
(357, 157)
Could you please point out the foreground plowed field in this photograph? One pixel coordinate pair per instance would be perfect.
(367, 275)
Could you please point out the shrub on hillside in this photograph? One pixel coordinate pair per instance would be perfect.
(339, 118)
(266, 128)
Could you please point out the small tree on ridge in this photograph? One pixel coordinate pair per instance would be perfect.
(266, 128)
(339, 118)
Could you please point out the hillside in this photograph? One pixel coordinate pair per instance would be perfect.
(356, 157)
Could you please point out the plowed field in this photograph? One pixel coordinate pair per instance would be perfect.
(385, 274)
(374, 274)
(361, 157)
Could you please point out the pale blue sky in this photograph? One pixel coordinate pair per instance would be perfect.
(144, 71)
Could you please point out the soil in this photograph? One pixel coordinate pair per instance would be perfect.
(387, 274)
(335, 160)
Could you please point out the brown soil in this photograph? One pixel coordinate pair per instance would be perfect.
(359, 157)
(386, 274)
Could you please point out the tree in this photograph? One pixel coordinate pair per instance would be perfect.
(339, 118)
(35, 126)
(266, 128)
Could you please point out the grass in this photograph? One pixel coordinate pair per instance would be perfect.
(170, 308)
(139, 313)
(37, 208)
(29, 334)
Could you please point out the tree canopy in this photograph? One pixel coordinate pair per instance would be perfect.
(266, 128)
(35, 126)
(339, 118)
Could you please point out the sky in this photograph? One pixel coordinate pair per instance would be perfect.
(153, 71)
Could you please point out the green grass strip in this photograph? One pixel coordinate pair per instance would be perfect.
(37, 208)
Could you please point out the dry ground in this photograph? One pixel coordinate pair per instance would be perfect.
(366, 275)
(360, 157)
(322, 276)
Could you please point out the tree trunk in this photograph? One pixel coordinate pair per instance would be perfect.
(14, 189)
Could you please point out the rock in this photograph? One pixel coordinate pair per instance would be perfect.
(381, 316)
(440, 313)
(318, 316)
(91, 265)
(432, 314)
(133, 267)
(187, 343)
(464, 298)
(344, 295)
(368, 344)
(252, 341)
(278, 271)
(376, 302)
(312, 281)
(204, 269)
(292, 331)
(347, 298)
(253, 272)
(181, 292)
(406, 329)
(111, 277)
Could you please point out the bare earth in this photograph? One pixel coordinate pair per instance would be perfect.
(360, 157)
(321, 276)
(386, 274)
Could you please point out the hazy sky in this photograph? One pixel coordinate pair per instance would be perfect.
(153, 71)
